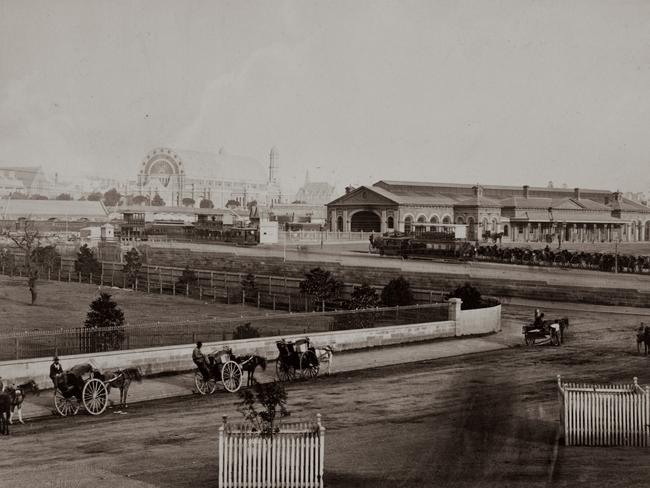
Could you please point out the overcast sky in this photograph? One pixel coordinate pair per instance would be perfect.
(496, 92)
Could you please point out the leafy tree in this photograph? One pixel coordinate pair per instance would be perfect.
(140, 200)
(132, 265)
(272, 398)
(105, 313)
(470, 296)
(397, 293)
(246, 331)
(86, 262)
(18, 196)
(188, 278)
(232, 204)
(248, 284)
(321, 284)
(46, 257)
(36, 196)
(298, 202)
(364, 296)
(112, 197)
(27, 239)
(64, 196)
(188, 202)
(157, 201)
(82, 199)
(205, 203)
(94, 197)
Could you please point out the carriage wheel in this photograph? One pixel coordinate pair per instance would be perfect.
(231, 376)
(530, 340)
(284, 371)
(95, 396)
(204, 387)
(65, 406)
(309, 364)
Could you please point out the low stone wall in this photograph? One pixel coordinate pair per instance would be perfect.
(172, 359)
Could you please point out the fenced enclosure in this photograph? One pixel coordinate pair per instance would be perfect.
(605, 415)
(294, 456)
(25, 345)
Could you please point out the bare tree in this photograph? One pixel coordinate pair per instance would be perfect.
(26, 238)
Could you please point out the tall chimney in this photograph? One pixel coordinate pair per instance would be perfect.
(526, 191)
(576, 192)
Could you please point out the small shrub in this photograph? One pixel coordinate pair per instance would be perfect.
(470, 296)
(86, 262)
(397, 293)
(246, 331)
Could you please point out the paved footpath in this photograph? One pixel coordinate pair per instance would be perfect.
(183, 384)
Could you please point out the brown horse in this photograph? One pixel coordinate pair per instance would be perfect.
(643, 337)
(122, 378)
(5, 412)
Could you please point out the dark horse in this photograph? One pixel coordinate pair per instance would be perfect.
(643, 337)
(249, 364)
(5, 412)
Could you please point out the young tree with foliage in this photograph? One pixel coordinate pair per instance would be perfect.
(470, 296)
(86, 262)
(64, 196)
(132, 265)
(272, 398)
(397, 293)
(26, 238)
(321, 284)
(105, 313)
(188, 202)
(248, 284)
(157, 201)
(36, 196)
(205, 203)
(232, 204)
(364, 296)
(246, 331)
(94, 197)
(188, 278)
(112, 197)
(46, 257)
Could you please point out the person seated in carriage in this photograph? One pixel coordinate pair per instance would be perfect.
(200, 360)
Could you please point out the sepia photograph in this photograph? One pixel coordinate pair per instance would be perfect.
(324, 243)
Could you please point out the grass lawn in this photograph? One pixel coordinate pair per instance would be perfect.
(64, 305)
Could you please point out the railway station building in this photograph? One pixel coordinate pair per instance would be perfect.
(521, 214)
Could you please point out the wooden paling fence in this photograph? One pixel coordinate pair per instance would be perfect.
(292, 457)
(605, 415)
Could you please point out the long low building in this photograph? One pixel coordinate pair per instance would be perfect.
(52, 215)
(520, 213)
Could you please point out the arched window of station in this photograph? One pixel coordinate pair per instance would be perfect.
(460, 220)
(505, 230)
(390, 223)
(495, 226)
(471, 228)
(408, 224)
(339, 224)
(446, 219)
(420, 228)
(434, 220)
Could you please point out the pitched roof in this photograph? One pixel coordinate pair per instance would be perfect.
(479, 201)
(46, 209)
(627, 205)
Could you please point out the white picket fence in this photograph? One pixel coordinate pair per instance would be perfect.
(605, 415)
(293, 457)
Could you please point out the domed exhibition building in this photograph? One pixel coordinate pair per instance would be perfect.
(176, 174)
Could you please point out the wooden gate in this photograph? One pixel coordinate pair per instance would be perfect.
(605, 415)
(293, 457)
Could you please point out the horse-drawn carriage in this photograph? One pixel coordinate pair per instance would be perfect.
(545, 332)
(81, 385)
(296, 359)
(222, 366)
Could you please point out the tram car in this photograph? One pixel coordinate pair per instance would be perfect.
(434, 241)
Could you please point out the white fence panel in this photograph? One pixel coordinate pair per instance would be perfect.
(605, 415)
(293, 457)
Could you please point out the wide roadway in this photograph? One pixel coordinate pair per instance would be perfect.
(488, 419)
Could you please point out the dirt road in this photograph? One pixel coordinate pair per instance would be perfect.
(481, 420)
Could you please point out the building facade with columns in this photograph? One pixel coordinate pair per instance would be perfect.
(522, 214)
(218, 177)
